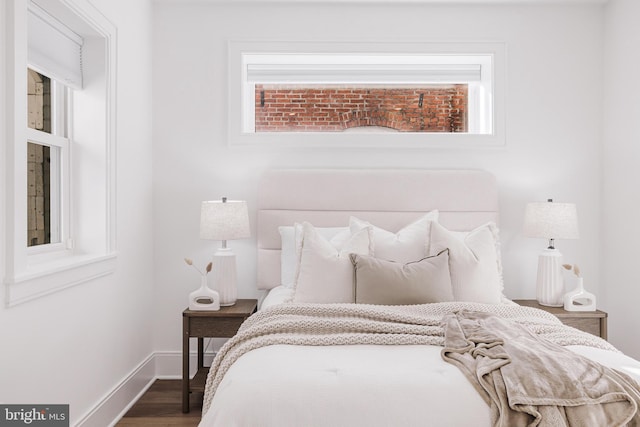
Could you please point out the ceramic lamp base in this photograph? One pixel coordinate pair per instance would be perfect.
(225, 276)
(550, 284)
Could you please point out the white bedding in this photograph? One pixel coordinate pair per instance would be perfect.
(356, 385)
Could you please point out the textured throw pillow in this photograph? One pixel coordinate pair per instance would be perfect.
(325, 273)
(290, 251)
(379, 281)
(408, 244)
(473, 261)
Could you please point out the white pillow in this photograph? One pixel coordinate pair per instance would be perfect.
(407, 245)
(275, 296)
(461, 235)
(473, 262)
(325, 274)
(290, 256)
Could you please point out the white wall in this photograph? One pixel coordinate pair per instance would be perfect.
(621, 154)
(554, 69)
(76, 345)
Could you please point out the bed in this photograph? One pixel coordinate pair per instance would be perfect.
(334, 345)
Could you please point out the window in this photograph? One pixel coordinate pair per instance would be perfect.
(60, 232)
(47, 159)
(418, 94)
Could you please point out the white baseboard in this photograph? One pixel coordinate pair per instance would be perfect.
(169, 364)
(159, 365)
(114, 405)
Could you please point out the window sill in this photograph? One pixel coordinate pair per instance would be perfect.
(46, 278)
(368, 140)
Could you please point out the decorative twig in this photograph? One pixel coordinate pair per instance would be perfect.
(209, 267)
(574, 268)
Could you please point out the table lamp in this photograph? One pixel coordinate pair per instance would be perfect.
(224, 220)
(550, 220)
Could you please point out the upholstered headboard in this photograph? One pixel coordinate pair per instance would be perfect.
(388, 198)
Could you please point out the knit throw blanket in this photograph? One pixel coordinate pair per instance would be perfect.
(353, 324)
(528, 381)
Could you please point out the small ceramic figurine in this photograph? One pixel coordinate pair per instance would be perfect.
(578, 299)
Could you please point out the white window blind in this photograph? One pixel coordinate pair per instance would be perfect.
(53, 48)
(362, 69)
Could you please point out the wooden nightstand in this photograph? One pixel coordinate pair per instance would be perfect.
(594, 322)
(200, 324)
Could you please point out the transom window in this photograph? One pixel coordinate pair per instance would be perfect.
(335, 92)
(416, 94)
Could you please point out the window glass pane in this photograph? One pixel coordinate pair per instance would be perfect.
(44, 153)
(336, 108)
(39, 101)
(41, 201)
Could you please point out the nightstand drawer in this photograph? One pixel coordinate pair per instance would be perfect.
(222, 327)
(591, 325)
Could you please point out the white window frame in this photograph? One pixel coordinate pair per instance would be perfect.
(60, 188)
(485, 93)
(88, 250)
(59, 163)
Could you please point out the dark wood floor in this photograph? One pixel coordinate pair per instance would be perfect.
(161, 406)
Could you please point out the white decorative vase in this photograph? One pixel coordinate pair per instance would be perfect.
(550, 284)
(203, 298)
(579, 299)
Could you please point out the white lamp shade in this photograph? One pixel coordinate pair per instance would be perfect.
(224, 220)
(551, 220)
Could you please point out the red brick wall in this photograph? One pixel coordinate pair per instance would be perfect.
(324, 108)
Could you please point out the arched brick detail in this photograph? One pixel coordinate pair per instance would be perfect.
(378, 117)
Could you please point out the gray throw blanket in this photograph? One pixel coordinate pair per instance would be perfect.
(529, 381)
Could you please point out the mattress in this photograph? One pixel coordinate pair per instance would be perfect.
(358, 386)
